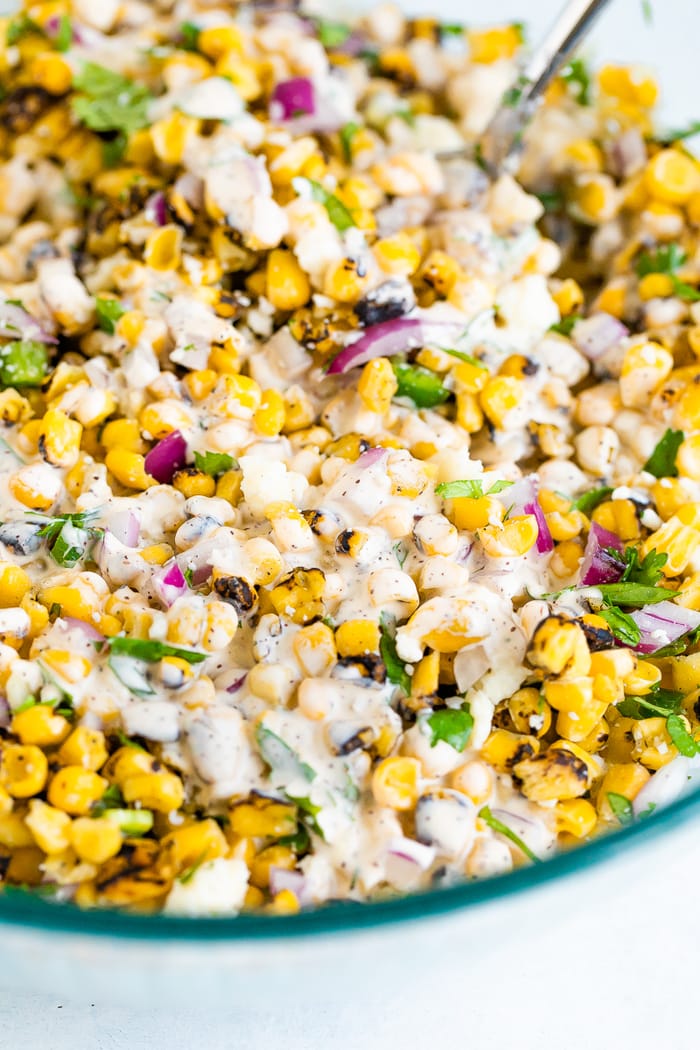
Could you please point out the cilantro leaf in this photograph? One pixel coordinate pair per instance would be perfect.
(19, 27)
(681, 737)
(647, 572)
(566, 325)
(473, 488)
(150, 650)
(332, 34)
(69, 536)
(621, 807)
(309, 811)
(577, 78)
(678, 134)
(189, 35)
(666, 259)
(64, 36)
(497, 825)
(23, 363)
(662, 461)
(633, 593)
(468, 358)
(453, 725)
(395, 667)
(347, 134)
(423, 387)
(214, 463)
(622, 625)
(337, 212)
(280, 757)
(111, 799)
(108, 313)
(551, 200)
(108, 101)
(189, 873)
(588, 502)
(663, 702)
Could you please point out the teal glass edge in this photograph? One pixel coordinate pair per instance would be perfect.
(24, 909)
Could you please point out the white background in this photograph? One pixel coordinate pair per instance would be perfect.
(618, 969)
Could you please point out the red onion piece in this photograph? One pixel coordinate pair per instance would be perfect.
(521, 498)
(168, 456)
(597, 334)
(282, 879)
(237, 684)
(389, 338)
(125, 527)
(16, 323)
(293, 98)
(370, 457)
(598, 566)
(169, 583)
(544, 542)
(662, 624)
(156, 210)
(90, 632)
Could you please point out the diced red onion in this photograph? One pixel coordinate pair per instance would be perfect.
(597, 334)
(293, 98)
(169, 583)
(522, 499)
(296, 881)
(168, 456)
(627, 153)
(544, 542)
(370, 457)
(156, 210)
(412, 851)
(16, 323)
(237, 684)
(125, 526)
(598, 566)
(389, 338)
(87, 629)
(663, 623)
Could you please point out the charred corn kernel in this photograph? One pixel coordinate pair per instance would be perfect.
(644, 368)
(228, 486)
(49, 826)
(499, 396)
(688, 458)
(129, 468)
(71, 666)
(122, 434)
(128, 762)
(377, 385)
(554, 775)
(269, 418)
(200, 384)
(397, 255)
(59, 438)
(84, 748)
(426, 676)
(242, 396)
(676, 540)
(162, 792)
(185, 624)
(469, 415)
(171, 136)
(13, 407)
(220, 626)
(503, 749)
(272, 857)
(163, 247)
(39, 725)
(627, 779)
(192, 482)
(473, 514)
(344, 282)
(14, 585)
(655, 286)
(559, 646)
(287, 286)
(672, 176)
(513, 538)
(299, 596)
(23, 770)
(95, 839)
(575, 817)
(530, 712)
(315, 648)
(263, 818)
(190, 845)
(395, 783)
(357, 637)
(644, 677)
(652, 744)
(618, 516)
(490, 45)
(568, 296)
(440, 271)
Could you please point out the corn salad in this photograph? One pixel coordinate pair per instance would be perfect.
(350, 503)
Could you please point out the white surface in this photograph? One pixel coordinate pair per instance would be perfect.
(614, 966)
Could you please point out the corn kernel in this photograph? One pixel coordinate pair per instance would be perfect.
(395, 782)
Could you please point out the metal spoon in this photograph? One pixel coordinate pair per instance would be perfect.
(500, 142)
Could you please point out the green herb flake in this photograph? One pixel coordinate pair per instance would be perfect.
(621, 807)
(633, 593)
(308, 813)
(126, 741)
(337, 212)
(588, 502)
(473, 488)
(188, 33)
(347, 134)
(622, 625)
(149, 650)
(332, 34)
(108, 313)
(214, 463)
(497, 825)
(647, 572)
(566, 325)
(111, 799)
(452, 725)
(513, 96)
(662, 461)
(395, 667)
(189, 873)
(19, 27)
(401, 553)
(107, 101)
(423, 387)
(659, 701)
(279, 756)
(467, 358)
(647, 12)
(681, 737)
(551, 200)
(64, 36)
(23, 363)
(577, 78)
(678, 134)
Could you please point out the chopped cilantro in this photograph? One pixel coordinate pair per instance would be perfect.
(667, 260)
(280, 757)
(108, 313)
(680, 736)
(551, 200)
(19, 27)
(588, 502)
(662, 461)
(23, 363)
(395, 667)
(111, 799)
(566, 325)
(149, 649)
(332, 34)
(497, 825)
(453, 725)
(189, 35)
(514, 94)
(621, 807)
(309, 811)
(473, 488)
(423, 387)
(337, 212)
(189, 873)
(347, 134)
(663, 702)
(107, 101)
(647, 572)
(69, 536)
(401, 553)
(577, 78)
(467, 358)
(214, 463)
(622, 625)
(678, 134)
(126, 741)
(64, 36)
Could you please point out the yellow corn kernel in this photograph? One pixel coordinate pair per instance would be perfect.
(271, 857)
(688, 594)
(128, 762)
(171, 135)
(395, 782)
(568, 296)
(469, 415)
(655, 286)
(13, 407)
(628, 84)
(95, 839)
(397, 255)
(14, 833)
(85, 748)
(284, 903)
(627, 779)
(503, 749)
(263, 818)
(26, 488)
(426, 676)
(190, 845)
(242, 396)
(357, 637)
(490, 45)
(23, 770)
(644, 677)
(287, 285)
(315, 648)
(200, 384)
(575, 817)
(193, 482)
(570, 694)
(162, 417)
(130, 326)
(612, 299)
(559, 646)
(472, 514)
(584, 155)
(672, 176)
(59, 438)
(220, 626)
(618, 516)
(594, 198)
(14, 585)
(122, 434)
(685, 671)
(377, 385)
(565, 526)
(162, 792)
(39, 725)
(215, 41)
(185, 624)
(513, 538)
(72, 600)
(269, 418)
(129, 468)
(71, 666)
(343, 281)
(652, 743)
(299, 595)
(48, 826)
(688, 458)
(678, 541)
(75, 790)
(566, 558)
(163, 248)
(499, 396)
(51, 72)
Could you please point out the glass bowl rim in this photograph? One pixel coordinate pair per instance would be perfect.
(20, 908)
